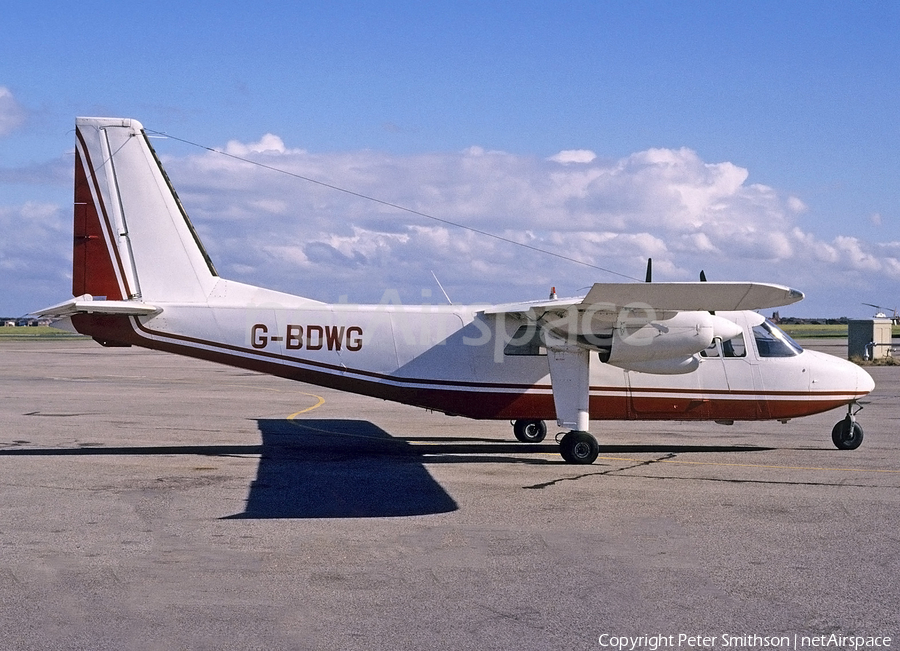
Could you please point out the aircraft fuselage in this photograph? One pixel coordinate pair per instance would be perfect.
(455, 359)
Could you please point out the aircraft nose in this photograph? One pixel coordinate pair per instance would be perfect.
(829, 373)
(864, 381)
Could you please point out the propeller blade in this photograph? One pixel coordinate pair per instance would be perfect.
(649, 277)
(703, 280)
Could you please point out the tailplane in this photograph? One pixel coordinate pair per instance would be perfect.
(133, 241)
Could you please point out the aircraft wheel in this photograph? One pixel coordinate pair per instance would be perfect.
(847, 435)
(530, 431)
(579, 447)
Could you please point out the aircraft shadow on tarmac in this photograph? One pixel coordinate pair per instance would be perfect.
(339, 469)
(343, 468)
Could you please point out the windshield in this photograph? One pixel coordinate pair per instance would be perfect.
(772, 341)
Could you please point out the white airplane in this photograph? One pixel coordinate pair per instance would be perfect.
(635, 351)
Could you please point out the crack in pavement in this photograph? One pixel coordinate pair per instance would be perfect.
(609, 471)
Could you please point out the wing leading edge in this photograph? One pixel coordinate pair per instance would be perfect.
(666, 297)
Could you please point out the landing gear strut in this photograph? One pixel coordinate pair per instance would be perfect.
(530, 431)
(848, 434)
(579, 447)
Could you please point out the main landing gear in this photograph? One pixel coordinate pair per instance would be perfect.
(530, 431)
(579, 447)
(848, 434)
(575, 446)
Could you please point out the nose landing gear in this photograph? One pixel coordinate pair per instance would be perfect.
(847, 434)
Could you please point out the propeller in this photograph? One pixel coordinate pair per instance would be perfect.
(649, 277)
(703, 280)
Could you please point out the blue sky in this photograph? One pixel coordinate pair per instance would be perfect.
(755, 140)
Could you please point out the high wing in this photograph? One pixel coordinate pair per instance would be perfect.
(647, 327)
(633, 324)
(666, 297)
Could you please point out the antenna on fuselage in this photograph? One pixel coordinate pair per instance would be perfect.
(449, 302)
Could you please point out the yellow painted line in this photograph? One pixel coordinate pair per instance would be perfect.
(747, 465)
(321, 401)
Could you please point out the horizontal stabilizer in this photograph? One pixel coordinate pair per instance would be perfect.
(85, 304)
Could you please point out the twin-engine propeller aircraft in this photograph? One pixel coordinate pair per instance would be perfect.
(641, 351)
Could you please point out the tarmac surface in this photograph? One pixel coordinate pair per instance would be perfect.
(154, 502)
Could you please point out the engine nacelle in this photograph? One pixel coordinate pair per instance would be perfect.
(674, 340)
(663, 366)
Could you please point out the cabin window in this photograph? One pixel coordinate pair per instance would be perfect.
(734, 347)
(712, 351)
(771, 341)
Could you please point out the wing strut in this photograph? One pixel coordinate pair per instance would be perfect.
(570, 380)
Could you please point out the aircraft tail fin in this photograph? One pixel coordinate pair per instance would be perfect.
(132, 238)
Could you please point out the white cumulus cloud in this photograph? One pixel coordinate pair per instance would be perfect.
(574, 156)
(268, 144)
(12, 115)
(668, 204)
(277, 230)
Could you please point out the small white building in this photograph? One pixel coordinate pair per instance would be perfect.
(869, 338)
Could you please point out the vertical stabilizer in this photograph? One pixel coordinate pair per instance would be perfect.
(132, 237)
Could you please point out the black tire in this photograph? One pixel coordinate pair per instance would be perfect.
(530, 431)
(847, 435)
(579, 448)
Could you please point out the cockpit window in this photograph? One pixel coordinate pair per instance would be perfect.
(771, 341)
